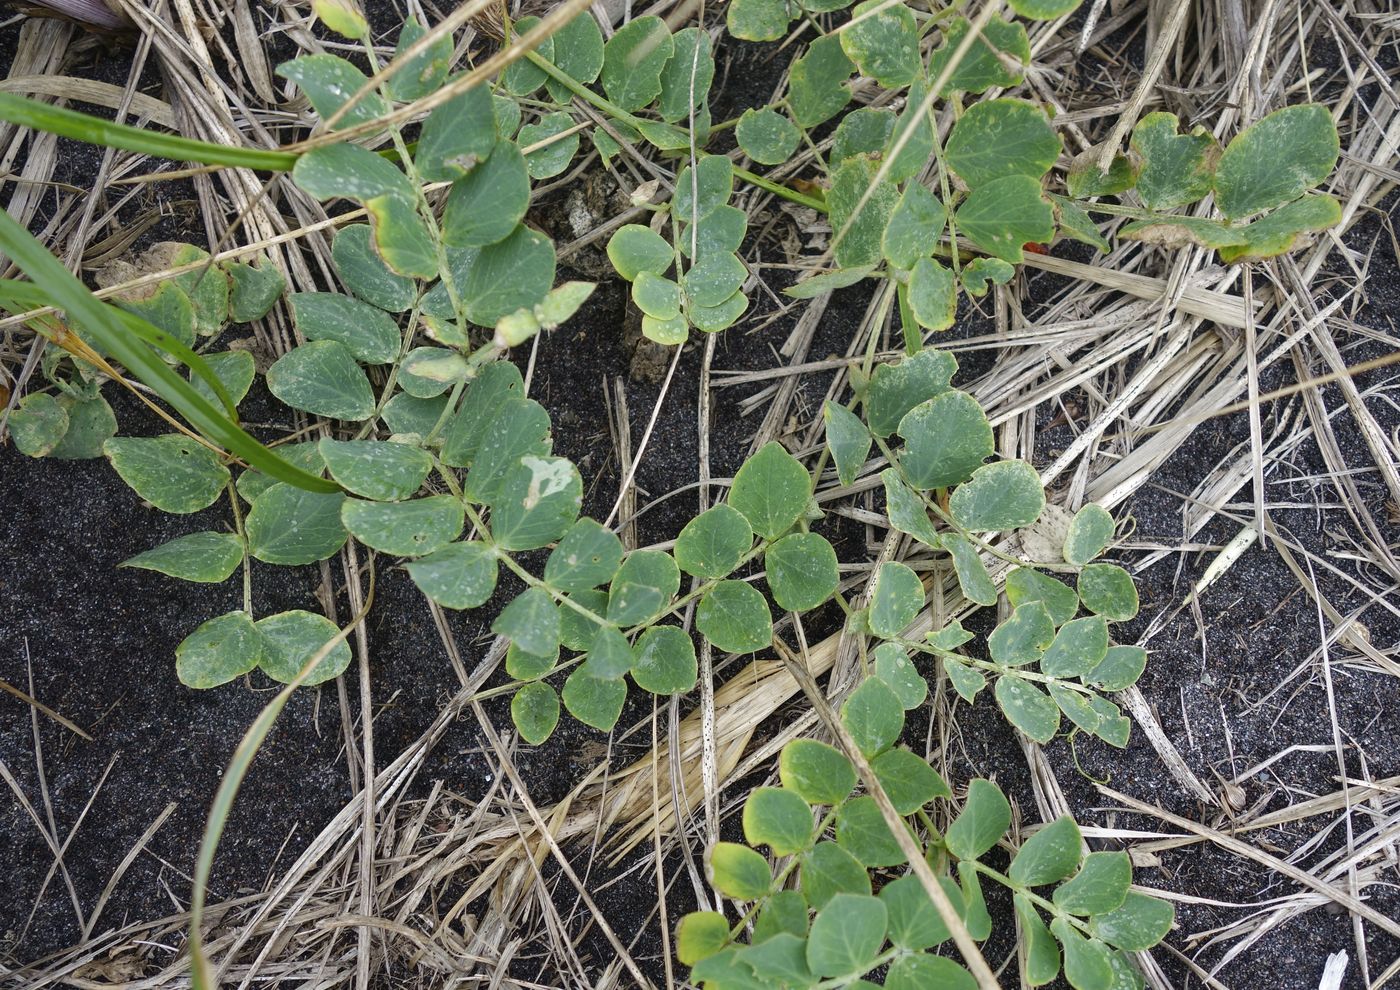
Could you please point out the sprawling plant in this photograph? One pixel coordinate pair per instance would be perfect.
(430, 452)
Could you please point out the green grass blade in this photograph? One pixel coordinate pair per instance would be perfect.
(108, 327)
(94, 130)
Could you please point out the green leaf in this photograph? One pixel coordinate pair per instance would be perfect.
(512, 274)
(597, 702)
(665, 660)
(522, 77)
(1003, 495)
(487, 418)
(1044, 10)
(966, 681)
(712, 280)
(656, 296)
(779, 819)
(588, 555)
(341, 16)
(817, 82)
(291, 639)
(908, 780)
(821, 774)
(951, 636)
(609, 654)
(987, 62)
(785, 912)
(914, 227)
(1284, 229)
(1076, 705)
(897, 388)
(322, 378)
(1084, 179)
(487, 203)
(404, 529)
(873, 716)
(167, 307)
(846, 935)
(802, 571)
(861, 831)
(1079, 647)
(765, 135)
(458, 137)
(1005, 214)
(687, 75)
(517, 427)
(578, 51)
(771, 490)
(1113, 726)
(1000, 138)
(828, 870)
(218, 651)
(781, 960)
(38, 424)
(815, 285)
(898, 596)
(551, 159)
(847, 438)
(253, 291)
(523, 665)
(429, 371)
(720, 231)
(906, 510)
(305, 456)
(1090, 531)
(758, 20)
(1028, 708)
(915, 923)
(734, 616)
(172, 472)
(1040, 962)
(1136, 925)
(643, 587)
(890, 663)
(531, 622)
(979, 272)
(670, 332)
(365, 274)
(1087, 963)
(863, 225)
(634, 249)
(973, 579)
(712, 544)
(1077, 224)
(347, 171)
(1048, 856)
(423, 74)
(921, 971)
(535, 712)
(946, 440)
(205, 558)
(1022, 638)
(235, 371)
(540, 499)
(933, 295)
(864, 130)
(329, 82)
(883, 42)
(700, 934)
(459, 575)
(1176, 168)
(739, 872)
(1024, 584)
(376, 469)
(1120, 669)
(1108, 590)
(577, 630)
(985, 817)
(633, 59)
(1276, 160)
(370, 333)
(705, 188)
(1100, 886)
(914, 128)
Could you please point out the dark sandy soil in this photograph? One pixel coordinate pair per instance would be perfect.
(99, 643)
